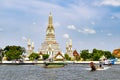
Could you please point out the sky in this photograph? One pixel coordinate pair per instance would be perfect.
(89, 23)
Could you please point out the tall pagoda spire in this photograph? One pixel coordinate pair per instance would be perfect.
(50, 32)
(50, 45)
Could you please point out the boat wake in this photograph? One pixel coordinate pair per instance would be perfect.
(105, 68)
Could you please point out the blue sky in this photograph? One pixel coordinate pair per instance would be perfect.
(89, 23)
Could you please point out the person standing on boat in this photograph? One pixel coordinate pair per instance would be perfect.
(100, 64)
(93, 68)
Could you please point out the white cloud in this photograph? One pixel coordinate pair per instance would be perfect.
(24, 38)
(71, 27)
(56, 24)
(87, 31)
(84, 30)
(34, 23)
(80, 42)
(42, 8)
(66, 36)
(31, 6)
(112, 17)
(91, 31)
(93, 23)
(115, 16)
(38, 9)
(102, 43)
(110, 2)
(101, 30)
(1, 29)
(109, 34)
(79, 30)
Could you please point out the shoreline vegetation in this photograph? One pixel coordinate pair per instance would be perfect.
(17, 55)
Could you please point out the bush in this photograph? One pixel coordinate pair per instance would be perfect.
(45, 56)
(34, 56)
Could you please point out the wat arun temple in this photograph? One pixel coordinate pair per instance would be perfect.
(50, 46)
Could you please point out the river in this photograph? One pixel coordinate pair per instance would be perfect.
(69, 72)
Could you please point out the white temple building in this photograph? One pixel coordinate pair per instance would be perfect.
(30, 47)
(50, 45)
(69, 50)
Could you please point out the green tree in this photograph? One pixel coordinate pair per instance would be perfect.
(85, 54)
(96, 57)
(96, 54)
(94, 50)
(45, 56)
(77, 58)
(13, 52)
(34, 56)
(108, 54)
(67, 57)
(1, 54)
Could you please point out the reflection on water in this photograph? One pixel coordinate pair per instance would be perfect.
(69, 72)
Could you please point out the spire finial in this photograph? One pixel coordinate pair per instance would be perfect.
(70, 41)
(50, 13)
(50, 18)
(29, 41)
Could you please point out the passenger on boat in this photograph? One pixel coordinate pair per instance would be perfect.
(93, 68)
(101, 65)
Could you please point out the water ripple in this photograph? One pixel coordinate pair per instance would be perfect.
(69, 72)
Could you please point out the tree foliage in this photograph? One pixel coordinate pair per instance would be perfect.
(67, 57)
(1, 54)
(77, 58)
(108, 54)
(45, 56)
(85, 54)
(13, 52)
(34, 56)
(96, 54)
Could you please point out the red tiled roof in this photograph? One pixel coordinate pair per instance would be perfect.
(75, 53)
(59, 54)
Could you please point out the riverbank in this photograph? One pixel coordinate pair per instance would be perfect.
(42, 62)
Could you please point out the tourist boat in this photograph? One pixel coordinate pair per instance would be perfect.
(98, 68)
(103, 68)
(53, 65)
